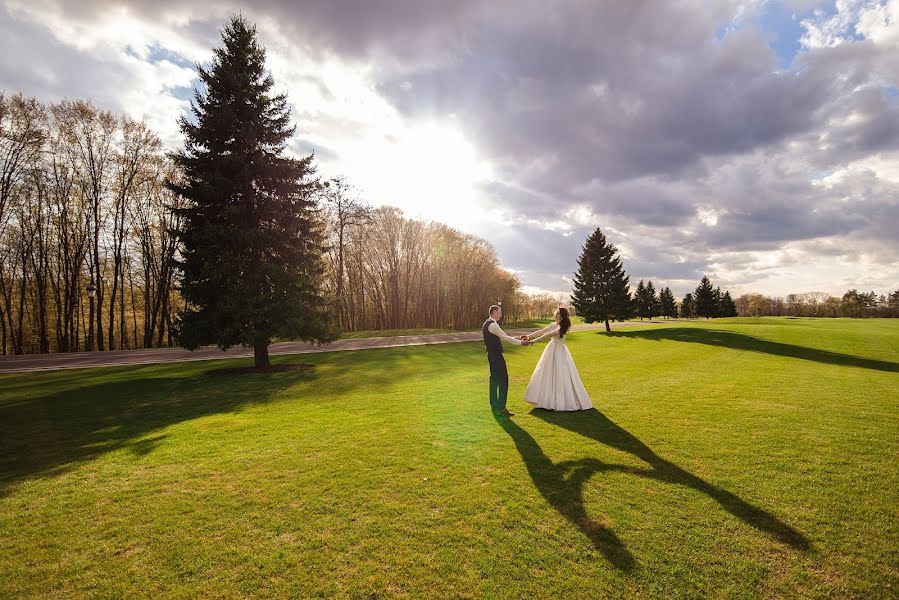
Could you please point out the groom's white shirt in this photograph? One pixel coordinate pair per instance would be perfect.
(496, 330)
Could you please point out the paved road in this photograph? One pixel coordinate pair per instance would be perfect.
(118, 358)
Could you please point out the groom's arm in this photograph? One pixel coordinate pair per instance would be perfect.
(496, 330)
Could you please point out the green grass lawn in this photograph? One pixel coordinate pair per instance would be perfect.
(734, 458)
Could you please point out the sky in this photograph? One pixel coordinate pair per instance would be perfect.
(753, 141)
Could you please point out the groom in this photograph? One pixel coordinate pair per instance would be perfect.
(494, 337)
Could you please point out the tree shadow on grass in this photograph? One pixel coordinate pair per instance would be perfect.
(46, 435)
(739, 341)
(596, 426)
(563, 487)
(52, 422)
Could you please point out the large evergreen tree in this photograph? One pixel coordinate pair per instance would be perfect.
(704, 299)
(600, 285)
(251, 242)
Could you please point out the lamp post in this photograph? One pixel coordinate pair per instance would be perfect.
(91, 290)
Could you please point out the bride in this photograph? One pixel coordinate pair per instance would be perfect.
(555, 384)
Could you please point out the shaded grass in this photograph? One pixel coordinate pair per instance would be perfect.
(736, 458)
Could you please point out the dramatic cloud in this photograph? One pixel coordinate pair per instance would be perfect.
(754, 141)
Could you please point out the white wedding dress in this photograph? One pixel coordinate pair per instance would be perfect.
(555, 384)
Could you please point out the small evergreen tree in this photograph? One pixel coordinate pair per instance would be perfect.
(600, 285)
(251, 243)
(655, 305)
(893, 304)
(640, 300)
(704, 297)
(716, 295)
(728, 306)
(668, 303)
(687, 308)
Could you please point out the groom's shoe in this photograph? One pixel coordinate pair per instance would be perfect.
(505, 412)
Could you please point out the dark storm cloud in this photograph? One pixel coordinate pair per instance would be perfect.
(621, 103)
(32, 61)
(766, 229)
(351, 28)
(647, 98)
(644, 201)
(528, 246)
(649, 114)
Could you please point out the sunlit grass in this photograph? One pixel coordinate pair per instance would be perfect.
(735, 458)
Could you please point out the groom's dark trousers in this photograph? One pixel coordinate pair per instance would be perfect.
(499, 375)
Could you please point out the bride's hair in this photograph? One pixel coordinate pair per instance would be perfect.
(564, 321)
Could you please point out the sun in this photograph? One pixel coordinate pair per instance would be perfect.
(429, 170)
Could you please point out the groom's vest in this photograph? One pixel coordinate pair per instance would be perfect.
(493, 343)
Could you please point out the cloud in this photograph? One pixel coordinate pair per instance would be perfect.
(677, 127)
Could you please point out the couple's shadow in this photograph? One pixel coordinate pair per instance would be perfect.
(562, 484)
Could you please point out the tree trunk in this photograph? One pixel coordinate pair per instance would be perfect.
(113, 296)
(123, 323)
(98, 282)
(340, 252)
(133, 307)
(90, 330)
(78, 327)
(169, 328)
(260, 352)
(99, 319)
(608, 328)
(164, 310)
(150, 308)
(20, 338)
(43, 334)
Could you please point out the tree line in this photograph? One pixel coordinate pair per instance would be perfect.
(386, 271)
(83, 204)
(820, 304)
(707, 302)
(88, 199)
(602, 291)
(108, 242)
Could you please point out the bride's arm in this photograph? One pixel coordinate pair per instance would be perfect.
(550, 331)
(544, 330)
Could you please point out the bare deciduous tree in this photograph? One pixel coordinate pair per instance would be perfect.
(83, 199)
